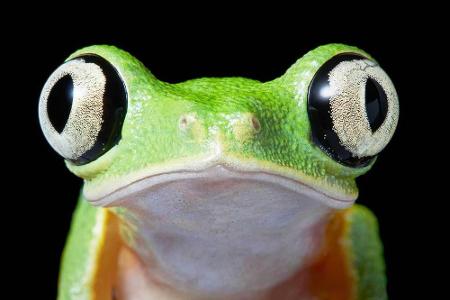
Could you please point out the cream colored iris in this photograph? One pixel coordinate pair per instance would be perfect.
(348, 107)
(85, 118)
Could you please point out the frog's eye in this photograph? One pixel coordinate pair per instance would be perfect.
(353, 109)
(82, 108)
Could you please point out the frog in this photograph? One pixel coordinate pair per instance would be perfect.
(220, 188)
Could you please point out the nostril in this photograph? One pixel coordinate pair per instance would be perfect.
(245, 126)
(256, 124)
(191, 127)
(183, 122)
(186, 121)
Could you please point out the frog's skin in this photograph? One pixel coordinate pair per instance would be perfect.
(216, 190)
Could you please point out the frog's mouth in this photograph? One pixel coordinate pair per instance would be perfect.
(220, 175)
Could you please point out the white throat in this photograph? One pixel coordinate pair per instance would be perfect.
(223, 232)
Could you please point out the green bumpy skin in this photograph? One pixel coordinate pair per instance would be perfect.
(367, 254)
(213, 107)
(77, 263)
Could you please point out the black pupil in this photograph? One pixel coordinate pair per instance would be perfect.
(376, 104)
(60, 102)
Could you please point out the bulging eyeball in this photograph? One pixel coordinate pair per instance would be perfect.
(353, 109)
(82, 107)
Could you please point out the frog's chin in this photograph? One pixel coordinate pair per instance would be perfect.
(213, 176)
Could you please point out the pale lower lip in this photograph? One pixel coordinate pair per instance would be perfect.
(217, 172)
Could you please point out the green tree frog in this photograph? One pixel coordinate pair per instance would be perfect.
(220, 188)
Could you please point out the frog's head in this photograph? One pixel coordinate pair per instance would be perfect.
(311, 131)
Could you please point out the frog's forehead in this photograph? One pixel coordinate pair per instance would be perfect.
(236, 122)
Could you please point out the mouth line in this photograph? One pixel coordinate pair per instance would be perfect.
(152, 181)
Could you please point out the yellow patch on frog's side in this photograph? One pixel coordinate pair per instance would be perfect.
(105, 269)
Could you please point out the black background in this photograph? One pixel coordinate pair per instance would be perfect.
(398, 189)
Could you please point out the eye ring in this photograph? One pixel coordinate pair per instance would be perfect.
(353, 109)
(82, 108)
